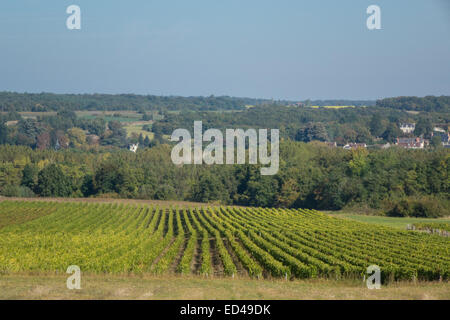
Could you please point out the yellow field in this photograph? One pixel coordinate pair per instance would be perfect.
(137, 129)
(332, 107)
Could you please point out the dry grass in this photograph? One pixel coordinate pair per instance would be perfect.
(162, 203)
(177, 287)
(136, 128)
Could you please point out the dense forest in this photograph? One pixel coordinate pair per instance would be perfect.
(311, 175)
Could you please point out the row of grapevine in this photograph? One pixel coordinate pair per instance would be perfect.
(227, 261)
(188, 255)
(168, 258)
(206, 266)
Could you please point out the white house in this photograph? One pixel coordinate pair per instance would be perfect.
(407, 127)
(437, 129)
(133, 147)
(354, 146)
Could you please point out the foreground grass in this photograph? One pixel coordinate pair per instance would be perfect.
(173, 287)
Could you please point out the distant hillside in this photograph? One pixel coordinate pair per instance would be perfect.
(13, 101)
(10, 101)
(428, 103)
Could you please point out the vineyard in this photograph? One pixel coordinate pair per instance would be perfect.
(210, 241)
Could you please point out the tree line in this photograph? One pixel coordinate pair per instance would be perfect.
(311, 175)
(41, 102)
(428, 103)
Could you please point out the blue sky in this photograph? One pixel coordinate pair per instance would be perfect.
(281, 49)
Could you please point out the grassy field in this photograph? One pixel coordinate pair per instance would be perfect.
(189, 288)
(332, 107)
(399, 223)
(121, 116)
(136, 128)
(112, 118)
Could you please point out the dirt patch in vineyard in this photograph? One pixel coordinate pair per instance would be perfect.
(152, 213)
(197, 260)
(177, 260)
(166, 222)
(217, 264)
(239, 267)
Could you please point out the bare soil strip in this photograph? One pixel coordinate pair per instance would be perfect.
(197, 260)
(239, 267)
(217, 264)
(176, 262)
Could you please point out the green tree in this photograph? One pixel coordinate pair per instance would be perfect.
(208, 188)
(115, 176)
(30, 176)
(3, 133)
(358, 163)
(52, 182)
(376, 125)
(288, 194)
(313, 131)
(87, 187)
(423, 127)
(391, 133)
(436, 141)
(141, 140)
(165, 192)
(77, 137)
(146, 141)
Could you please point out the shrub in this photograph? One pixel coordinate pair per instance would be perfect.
(426, 207)
(17, 191)
(401, 209)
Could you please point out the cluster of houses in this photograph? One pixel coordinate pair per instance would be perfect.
(405, 142)
(420, 143)
(408, 143)
(412, 143)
